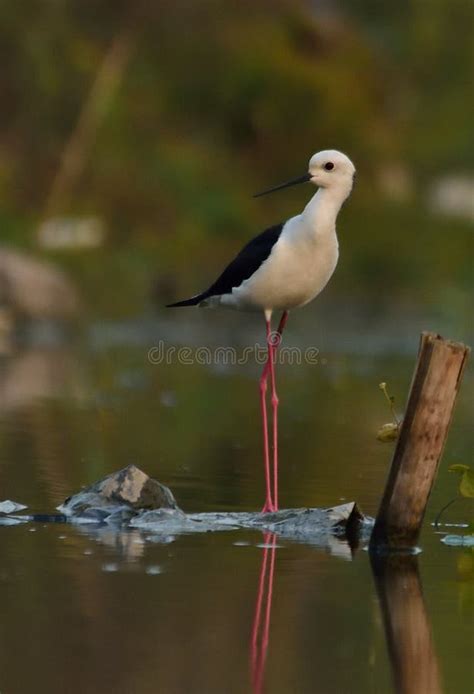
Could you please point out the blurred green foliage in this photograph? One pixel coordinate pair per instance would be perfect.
(215, 100)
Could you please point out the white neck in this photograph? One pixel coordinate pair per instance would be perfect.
(321, 211)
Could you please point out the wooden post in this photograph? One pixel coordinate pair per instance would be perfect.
(420, 445)
(406, 623)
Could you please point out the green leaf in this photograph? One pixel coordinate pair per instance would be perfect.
(466, 486)
(388, 432)
(458, 467)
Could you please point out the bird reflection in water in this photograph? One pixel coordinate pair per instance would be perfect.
(263, 607)
(406, 620)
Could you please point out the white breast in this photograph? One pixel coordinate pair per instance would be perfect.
(298, 268)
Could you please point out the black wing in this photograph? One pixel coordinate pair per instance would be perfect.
(252, 255)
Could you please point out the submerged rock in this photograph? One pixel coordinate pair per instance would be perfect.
(118, 497)
(13, 520)
(311, 525)
(458, 540)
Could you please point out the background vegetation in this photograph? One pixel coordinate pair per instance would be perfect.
(161, 119)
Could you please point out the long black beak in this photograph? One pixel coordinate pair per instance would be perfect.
(293, 182)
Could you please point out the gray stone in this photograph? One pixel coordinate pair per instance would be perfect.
(127, 507)
(309, 525)
(7, 507)
(118, 497)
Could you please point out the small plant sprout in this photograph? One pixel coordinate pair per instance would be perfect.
(389, 431)
(465, 489)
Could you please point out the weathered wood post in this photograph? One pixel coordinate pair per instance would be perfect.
(407, 625)
(420, 445)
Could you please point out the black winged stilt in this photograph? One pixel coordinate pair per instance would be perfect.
(285, 267)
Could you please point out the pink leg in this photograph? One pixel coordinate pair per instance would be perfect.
(275, 428)
(268, 506)
(273, 342)
(275, 401)
(276, 341)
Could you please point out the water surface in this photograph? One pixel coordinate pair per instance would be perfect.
(93, 611)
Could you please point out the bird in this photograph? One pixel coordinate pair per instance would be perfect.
(283, 268)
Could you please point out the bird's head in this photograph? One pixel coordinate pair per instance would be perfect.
(331, 169)
(326, 169)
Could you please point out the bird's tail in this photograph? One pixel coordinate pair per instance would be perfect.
(193, 301)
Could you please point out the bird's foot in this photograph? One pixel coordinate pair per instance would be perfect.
(269, 507)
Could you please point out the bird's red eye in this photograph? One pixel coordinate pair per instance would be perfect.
(329, 166)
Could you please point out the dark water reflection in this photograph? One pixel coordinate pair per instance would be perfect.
(95, 612)
(407, 625)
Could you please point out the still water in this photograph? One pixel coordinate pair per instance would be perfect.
(90, 611)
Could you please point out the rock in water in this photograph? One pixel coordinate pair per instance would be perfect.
(121, 494)
(7, 507)
(132, 486)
